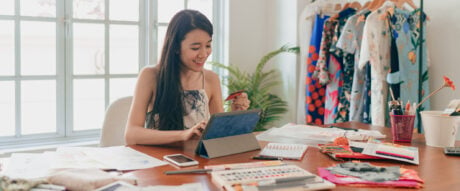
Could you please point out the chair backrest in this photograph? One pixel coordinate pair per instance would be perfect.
(116, 116)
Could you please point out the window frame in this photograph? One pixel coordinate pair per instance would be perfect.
(64, 66)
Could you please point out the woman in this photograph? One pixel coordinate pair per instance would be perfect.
(174, 99)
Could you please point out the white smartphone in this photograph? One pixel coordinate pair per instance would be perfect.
(180, 160)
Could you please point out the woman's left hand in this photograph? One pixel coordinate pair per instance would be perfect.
(240, 102)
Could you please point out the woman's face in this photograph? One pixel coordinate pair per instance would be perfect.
(195, 49)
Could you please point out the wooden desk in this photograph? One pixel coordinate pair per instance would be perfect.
(440, 172)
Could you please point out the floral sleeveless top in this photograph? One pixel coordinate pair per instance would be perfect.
(196, 108)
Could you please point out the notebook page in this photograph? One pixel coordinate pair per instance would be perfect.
(284, 150)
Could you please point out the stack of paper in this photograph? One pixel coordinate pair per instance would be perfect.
(37, 165)
(314, 135)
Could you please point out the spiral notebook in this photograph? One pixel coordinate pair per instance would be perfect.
(284, 150)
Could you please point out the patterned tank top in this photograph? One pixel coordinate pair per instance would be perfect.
(196, 107)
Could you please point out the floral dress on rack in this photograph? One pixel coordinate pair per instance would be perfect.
(375, 50)
(329, 69)
(314, 101)
(405, 31)
(350, 43)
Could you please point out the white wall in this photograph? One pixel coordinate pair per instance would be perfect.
(443, 44)
(260, 26)
(247, 33)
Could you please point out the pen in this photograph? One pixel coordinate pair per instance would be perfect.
(192, 171)
(266, 158)
(344, 128)
(285, 180)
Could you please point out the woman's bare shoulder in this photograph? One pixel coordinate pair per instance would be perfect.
(211, 76)
(212, 82)
(149, 73)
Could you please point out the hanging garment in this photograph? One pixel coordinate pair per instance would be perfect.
(306, 21)
(393, 78)
(367, 98)
(405, 31)
(350, 43)
(375, 47)
(314, 103)
(324, 56)
(352, 98)
(329, 71)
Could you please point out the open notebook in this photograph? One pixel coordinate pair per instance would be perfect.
(284, 150)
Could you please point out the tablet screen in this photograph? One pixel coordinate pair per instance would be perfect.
(231, 123)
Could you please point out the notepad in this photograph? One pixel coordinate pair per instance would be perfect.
(284, 150)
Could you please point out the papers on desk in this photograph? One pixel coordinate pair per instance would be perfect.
(373, 149)
(392, 151)
(27, 165)
(123, 158)
(314, 135)
(37, 165)
(122, 186)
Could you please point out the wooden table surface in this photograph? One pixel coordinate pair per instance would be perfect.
(440, 172)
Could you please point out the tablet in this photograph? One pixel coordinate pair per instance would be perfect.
(230, 124)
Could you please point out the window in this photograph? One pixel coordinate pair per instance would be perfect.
(62, 62)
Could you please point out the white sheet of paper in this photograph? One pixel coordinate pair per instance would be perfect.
(123, 158)
(28, 165)
(75, 157)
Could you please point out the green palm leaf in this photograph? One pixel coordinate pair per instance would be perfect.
(258, 86)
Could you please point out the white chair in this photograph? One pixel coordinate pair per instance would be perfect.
(116, 116)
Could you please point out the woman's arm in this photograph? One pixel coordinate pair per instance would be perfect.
(135, 132)
(214, 90)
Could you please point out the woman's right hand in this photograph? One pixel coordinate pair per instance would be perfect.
(194, 131)
(240, 102)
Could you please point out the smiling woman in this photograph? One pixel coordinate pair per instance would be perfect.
(178, 93)
(175, 98)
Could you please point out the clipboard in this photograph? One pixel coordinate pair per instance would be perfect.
(229, 128)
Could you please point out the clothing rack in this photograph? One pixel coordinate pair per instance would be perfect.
(420, 74)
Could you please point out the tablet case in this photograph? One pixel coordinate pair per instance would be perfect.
(229, 133)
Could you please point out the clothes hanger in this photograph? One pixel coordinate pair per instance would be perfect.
(366, 5)
(376, 4)
(355, 5)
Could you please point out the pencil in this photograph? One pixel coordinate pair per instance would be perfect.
(192, 171)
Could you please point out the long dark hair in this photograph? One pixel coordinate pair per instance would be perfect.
(169, 93)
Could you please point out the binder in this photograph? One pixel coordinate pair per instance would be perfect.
(229, 128)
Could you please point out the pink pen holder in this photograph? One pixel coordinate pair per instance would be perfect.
(402, 127)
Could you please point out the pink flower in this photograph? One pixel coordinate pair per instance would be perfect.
(447, 83)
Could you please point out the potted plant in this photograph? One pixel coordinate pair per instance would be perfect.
(258, 85)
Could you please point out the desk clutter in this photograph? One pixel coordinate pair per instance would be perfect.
(372, 149)
(283, 151)
(269, 178)
(72, 168)
(364, 174)
(313, 135)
